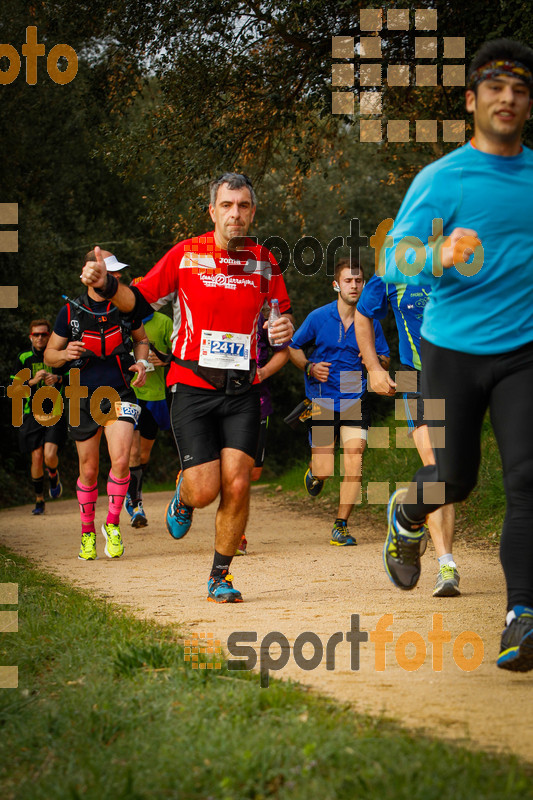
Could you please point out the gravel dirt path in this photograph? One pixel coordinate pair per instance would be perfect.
(293, 582)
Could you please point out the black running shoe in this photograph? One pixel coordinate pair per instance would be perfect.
(312, 484)
(517, 641)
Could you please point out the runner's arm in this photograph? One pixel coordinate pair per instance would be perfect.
(59, 350)
(379, 378)
(274, 364)
(141, 345)
(319, 371)
(141, 348)
(94, 273)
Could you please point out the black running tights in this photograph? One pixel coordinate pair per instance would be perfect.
(469, 385)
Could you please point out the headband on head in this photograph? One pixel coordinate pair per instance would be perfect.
(492, 69)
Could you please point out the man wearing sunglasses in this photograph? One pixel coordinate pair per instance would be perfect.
(36, 435)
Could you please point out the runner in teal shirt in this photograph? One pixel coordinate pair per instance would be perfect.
(477, 334)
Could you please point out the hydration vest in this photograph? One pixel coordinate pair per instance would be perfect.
(104, 335)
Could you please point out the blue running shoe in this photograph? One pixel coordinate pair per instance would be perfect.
(128, 505)
(517, 641)
(178, 516)
(220, 589)
(138, 518)
(56, 491)
(312, 484)
(340, 535)
(401, 551)
(39, 508)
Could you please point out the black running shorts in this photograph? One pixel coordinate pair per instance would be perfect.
(147, 425)
(357, 414)
(205, 421)
(32, 435)
(89, 426)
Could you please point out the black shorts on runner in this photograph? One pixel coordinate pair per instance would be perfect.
(88, 427)
(147, 426)
(33, 435)
(261, 444)
(356, 415)
(205, 421)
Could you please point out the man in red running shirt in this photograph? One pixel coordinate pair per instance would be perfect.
(217, 284)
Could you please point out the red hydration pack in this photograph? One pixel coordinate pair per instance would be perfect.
(104, 335)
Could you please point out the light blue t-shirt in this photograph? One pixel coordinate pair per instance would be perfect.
(490, 311)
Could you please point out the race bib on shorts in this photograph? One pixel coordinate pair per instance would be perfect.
(225, 350)
(127, 411)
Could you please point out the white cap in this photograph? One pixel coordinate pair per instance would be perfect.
(113, 265)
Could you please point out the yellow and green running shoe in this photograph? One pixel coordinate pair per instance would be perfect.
(113, 540)
(88, 547)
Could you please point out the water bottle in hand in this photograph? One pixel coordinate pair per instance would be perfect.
(275, 314)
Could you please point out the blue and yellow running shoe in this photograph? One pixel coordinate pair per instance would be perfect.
(340, 535)
(401, 551)
(312, 484)
(517, 641)
(178, 516)
(138, 518)
(220, 589)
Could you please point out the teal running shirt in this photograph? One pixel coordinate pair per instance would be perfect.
(489, 311)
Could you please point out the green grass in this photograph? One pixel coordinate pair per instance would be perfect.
(480, 516)
(108, 708)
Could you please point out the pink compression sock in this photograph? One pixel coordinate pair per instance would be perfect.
(116, 490)
(87, 496)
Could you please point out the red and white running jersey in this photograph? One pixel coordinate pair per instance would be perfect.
(212, 289)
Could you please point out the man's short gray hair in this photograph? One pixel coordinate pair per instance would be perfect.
(234, 180)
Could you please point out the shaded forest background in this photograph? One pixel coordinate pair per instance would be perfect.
(170, 94)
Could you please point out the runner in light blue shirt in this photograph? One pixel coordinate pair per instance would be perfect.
(477, 334)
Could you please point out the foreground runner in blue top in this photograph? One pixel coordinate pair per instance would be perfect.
(335, 384)
(408, 303)
(477, 345)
